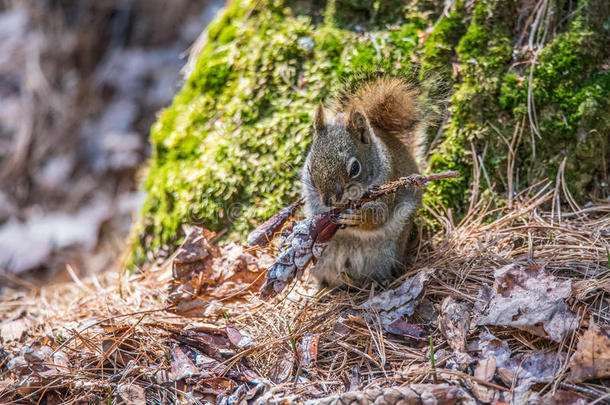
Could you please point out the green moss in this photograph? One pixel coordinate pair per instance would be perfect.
(226, 153)
(490, 101)
(439, 47)
(569, 88)
(357, 14)
(483, 54)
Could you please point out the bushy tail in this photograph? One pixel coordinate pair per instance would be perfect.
(394, 107)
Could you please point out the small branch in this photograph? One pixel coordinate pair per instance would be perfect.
(265, 233)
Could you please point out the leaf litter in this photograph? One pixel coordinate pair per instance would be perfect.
(528, 298)
(592, 357)
(193, 329)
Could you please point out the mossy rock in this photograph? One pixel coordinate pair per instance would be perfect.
(226, 153)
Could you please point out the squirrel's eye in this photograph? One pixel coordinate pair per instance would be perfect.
(353, 168)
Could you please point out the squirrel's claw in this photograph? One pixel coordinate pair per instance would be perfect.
(350, 217)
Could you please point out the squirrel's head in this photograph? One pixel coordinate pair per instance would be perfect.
(343, 159)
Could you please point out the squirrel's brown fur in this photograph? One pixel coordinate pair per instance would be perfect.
(373, 139)
(390, 104)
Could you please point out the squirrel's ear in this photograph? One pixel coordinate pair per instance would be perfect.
(318, 120)
(357, 125)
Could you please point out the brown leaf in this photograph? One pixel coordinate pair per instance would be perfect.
(519, 372)
(527, 298)
(454, 323)
(489, 345)
(486, 395)
(18, 365)
(215, 385)
(281, 370)
(485, 369)
(132, 393)
(527, 369)
(307, 349)
(61, 362)
(560, 397)
(212, 341)
(118, 347)
(426, 313)
(398, 302)
(13, 330)
(203, 272)
(536, 365)
(182, 366)
(5, 383)
(592, 356)
(404, 328)
(235, 337)
(194, 250)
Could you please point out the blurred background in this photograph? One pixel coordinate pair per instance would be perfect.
(81, 82)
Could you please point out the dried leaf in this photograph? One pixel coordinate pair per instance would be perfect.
(307, 349)
(118, 347)
(536, 365)
(560, 397)
(38, 354)
(132, 393)
(203, 272)
(5, 383)
(194, 250)
(212, 341)
(454, 323)
(527, 298)
(485, 394)
(235, 397)
(182, 366)
(426, 313)
(527, 369)
(489, 345)
(281, 370)
(399, 302)
(592, 356)
(404, 328)
(13, 330)
(485, 369)
(61, 362)
(519, 372)
(234, 335)
(216, 386)
(237, 338)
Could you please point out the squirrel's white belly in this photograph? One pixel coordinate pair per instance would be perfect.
(357, 255)
(349, 257)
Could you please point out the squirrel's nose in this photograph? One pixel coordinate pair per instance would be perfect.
(338, 193)
(333, 196)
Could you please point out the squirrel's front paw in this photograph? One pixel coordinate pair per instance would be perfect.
(351, 217)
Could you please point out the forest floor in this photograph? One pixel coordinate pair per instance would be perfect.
(508, 306)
